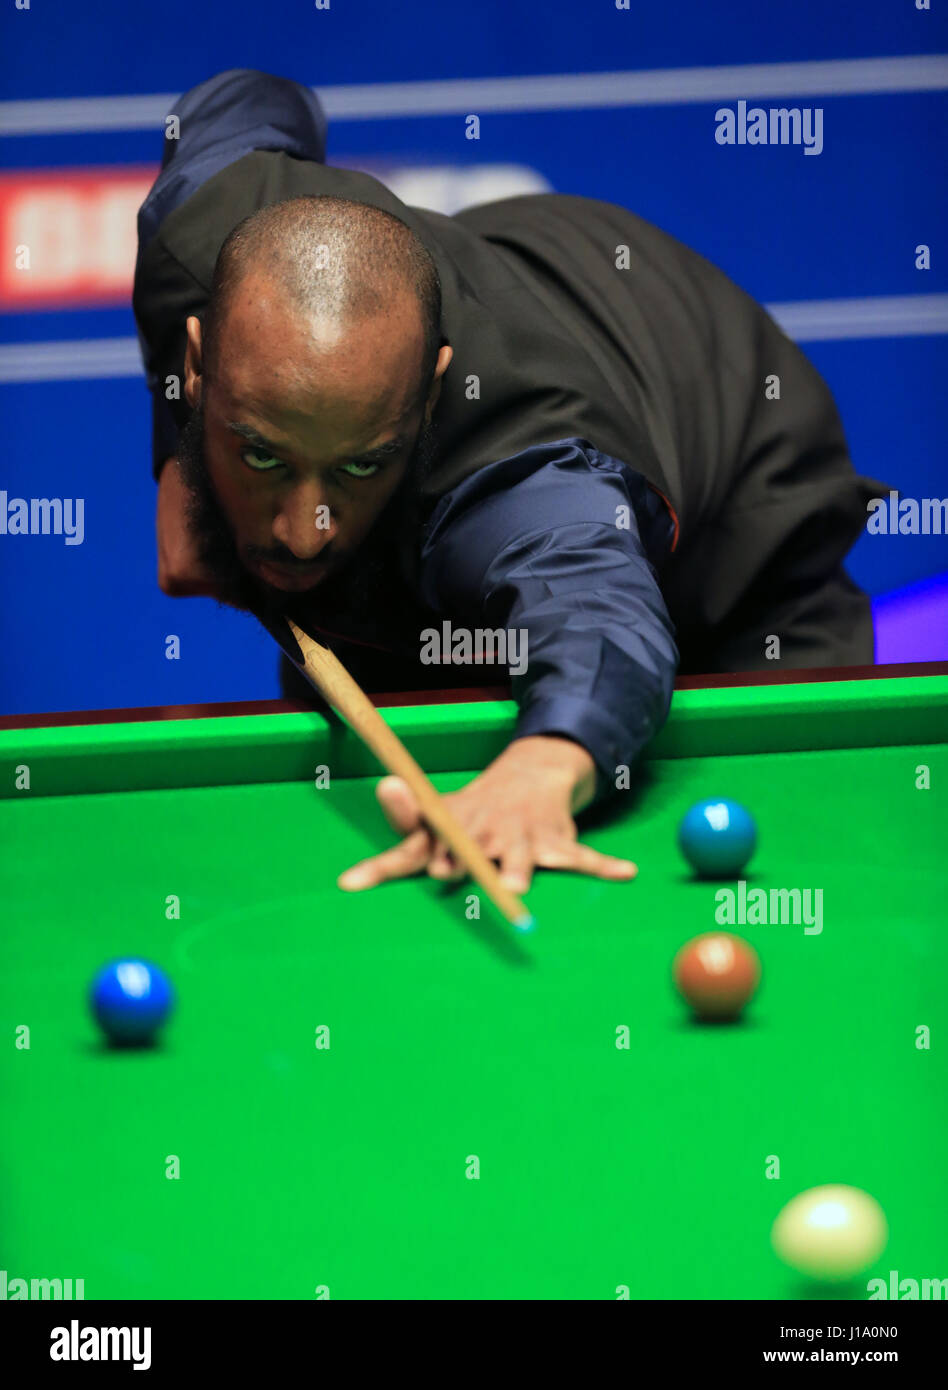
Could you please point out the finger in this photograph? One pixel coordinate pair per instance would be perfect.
(410, 857)
(400, 807)
(444, 866)
(585, 860)
(516, 866)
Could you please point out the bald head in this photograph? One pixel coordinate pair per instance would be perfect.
(333, 265)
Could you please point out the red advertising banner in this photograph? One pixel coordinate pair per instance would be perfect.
(68, 237)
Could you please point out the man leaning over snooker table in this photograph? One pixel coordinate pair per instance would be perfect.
(541, 414)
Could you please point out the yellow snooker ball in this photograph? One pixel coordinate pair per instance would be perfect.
(830, 1233)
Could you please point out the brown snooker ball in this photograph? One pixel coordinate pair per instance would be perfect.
(717, 974)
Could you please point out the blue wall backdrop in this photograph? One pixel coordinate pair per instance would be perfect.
(580, 97)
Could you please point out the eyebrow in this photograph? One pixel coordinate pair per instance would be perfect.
(376, 455)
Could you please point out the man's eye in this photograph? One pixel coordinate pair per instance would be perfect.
(360, 470)
(259, 460)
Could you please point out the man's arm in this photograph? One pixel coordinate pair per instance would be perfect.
(563, 545)
(534, 543)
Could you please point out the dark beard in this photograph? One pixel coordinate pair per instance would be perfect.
(369, 590)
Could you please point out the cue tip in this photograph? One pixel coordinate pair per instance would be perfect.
(525, 923)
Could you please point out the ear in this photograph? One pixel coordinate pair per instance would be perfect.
(441, 366)
(193, 363)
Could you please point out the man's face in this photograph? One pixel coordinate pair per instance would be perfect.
(303, 441)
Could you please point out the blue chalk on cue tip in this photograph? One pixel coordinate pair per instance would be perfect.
(526, 923)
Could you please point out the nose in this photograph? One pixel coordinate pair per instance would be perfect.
(304, 524)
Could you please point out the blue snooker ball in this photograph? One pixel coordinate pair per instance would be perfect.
(717, 838)
(130, 1000)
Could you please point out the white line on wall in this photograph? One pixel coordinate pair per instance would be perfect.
(892, 316)
(554, 92)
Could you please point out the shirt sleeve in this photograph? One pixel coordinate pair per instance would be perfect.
(563, 542)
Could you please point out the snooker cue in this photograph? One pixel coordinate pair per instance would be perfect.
(326, 672)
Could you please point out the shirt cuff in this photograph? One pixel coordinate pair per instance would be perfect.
(604, 738)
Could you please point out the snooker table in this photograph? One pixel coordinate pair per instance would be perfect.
(494, 1116)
